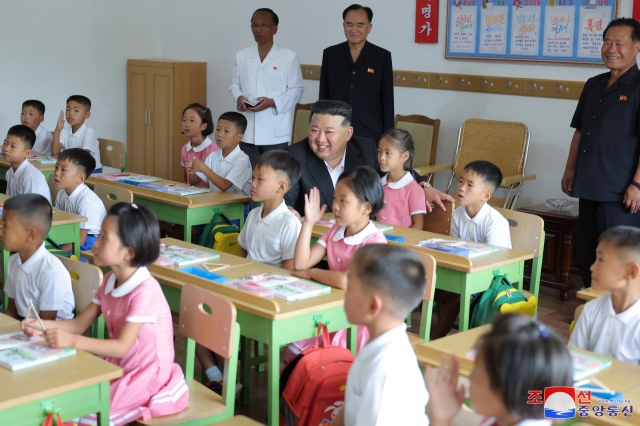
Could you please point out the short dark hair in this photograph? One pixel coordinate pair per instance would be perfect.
(79, 158)
(39, 106)
(403, 141)
(24, 133)
(274, 17)
(334, 108)
(138, 228)
(396, 272)
(489, 172)
(520, 355)
(205, 115)
(282, 162)
(356, 6)
(625, 22)
(236, 118)
(365, 184)
(623, 239)
(33, 210)
(82, 100)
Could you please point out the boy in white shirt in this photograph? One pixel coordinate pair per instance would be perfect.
(474, 220)
(33, 273)
(610, 324)
(32, 116)
(78, 135)
(227, 169)
(384, 385)
(73, 167)
(23, 177)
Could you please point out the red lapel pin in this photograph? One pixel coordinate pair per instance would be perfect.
(370, 70)
(623, 98)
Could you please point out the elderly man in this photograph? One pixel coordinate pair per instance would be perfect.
(602, 168)
(329, 150)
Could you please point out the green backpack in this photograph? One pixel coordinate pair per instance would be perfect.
(485, 305)
(220, 234)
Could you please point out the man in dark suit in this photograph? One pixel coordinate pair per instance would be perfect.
(331, 149)
(360, 73)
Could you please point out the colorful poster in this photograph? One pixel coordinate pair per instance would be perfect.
(559, 31)
(493, 27)
(525, 31)
(592, 24)
(463, 30)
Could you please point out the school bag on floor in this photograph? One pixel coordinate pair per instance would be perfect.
(485, 305)
(220, 234)
(312, 385)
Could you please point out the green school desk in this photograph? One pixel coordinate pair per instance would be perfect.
(77, 386)
(274, 322)
(458, 274)
(46, 169)
(186, 211)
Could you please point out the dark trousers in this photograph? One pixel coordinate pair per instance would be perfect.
(595, 218)
(254, 151)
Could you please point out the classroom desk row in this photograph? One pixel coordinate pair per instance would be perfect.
(274, 322)
(77, 386)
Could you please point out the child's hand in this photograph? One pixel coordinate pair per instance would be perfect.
(30, 331)
(305, 274)
(59, 338)
(60, 124)
(197, 166)
(312, 210)
(188, 166)
(445, 398)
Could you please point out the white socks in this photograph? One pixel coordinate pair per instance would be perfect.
(214, 374)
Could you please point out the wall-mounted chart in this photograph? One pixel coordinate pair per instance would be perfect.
(568, 31)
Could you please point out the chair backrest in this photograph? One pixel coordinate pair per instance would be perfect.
(424, 131)
(526, 231)
(112, 153)
(301, 122)
(429, 263)
(503, 143)
(439, 221)
(85, 281)
(208, 319)
(52, 189)
(111, 195)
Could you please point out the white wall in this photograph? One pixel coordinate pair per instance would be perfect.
(213, 31)
(50, 50)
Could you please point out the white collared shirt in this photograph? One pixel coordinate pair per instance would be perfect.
(599, 329)
(83, 202)
(271, 239)
(337, 171)
(84, 138)
(43, 141)
(235, 168)
(27, 179)
(44, 280)
(487, 226)
(385, 386)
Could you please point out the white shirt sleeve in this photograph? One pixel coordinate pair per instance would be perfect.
(290, 233)
(94, 214)
(295, 88)
(236, 88)
(239, 174)
(455, 223)
(34, 184)
(580, 335)
(53, 288)
(90, 142)
(498, 236)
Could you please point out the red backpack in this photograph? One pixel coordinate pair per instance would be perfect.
(312, 385)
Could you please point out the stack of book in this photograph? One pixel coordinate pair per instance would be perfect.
(180, 256)
(459, 248)
(18, 351)
(290, 289)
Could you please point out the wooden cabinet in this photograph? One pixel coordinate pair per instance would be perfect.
(157, 93)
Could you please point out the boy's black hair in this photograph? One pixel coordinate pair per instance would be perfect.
(274, 17)
(396, 272)
(24, 133)
(82, 100)
(138, 228)
(80, 158)
(625, 22)
(358, 7)
(236, 118)
(205, 115)
(282, 162)
(39, 106)
(520, 355)
(489, 172)
(365, 184)
(327, 107)
(623, 239)
(33, 210)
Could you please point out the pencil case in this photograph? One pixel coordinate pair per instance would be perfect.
(198, 272)
(396, 238)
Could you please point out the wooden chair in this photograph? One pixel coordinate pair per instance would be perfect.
(424, 131)
(429, 263)
(301, 117)
(52, 189)
(439, 221)
(527, 234)
(85, 281)
(209, 320)
(113, 154)
(111, 195)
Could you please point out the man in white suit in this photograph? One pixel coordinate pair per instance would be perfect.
(267, 76)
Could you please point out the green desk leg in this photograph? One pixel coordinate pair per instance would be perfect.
(64, 234)
(536, 271)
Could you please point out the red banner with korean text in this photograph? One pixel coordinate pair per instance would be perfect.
(427, 21)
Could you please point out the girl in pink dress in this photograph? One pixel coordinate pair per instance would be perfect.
(197, 125)
(137, 317)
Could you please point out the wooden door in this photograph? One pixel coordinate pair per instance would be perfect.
(159, 146)
(138, 95)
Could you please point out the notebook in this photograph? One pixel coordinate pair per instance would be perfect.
(585, 365)
(162, 187)
(299, 290)
(459, 248)
(11, 340)
(31, 354)
(186, 191)
(183, 256)
(45, 160)
(137, 180)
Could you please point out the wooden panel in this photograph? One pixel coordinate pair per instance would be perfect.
(137, 105)
(160, 138)
(411, 79)
(310, 72)
(552, 88)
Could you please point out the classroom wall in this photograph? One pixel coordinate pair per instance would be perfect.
(214, 31)
(50, 50)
